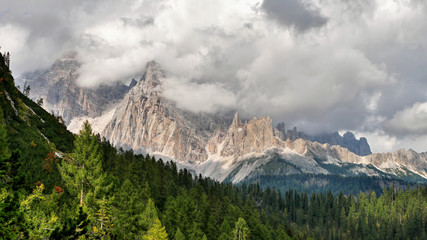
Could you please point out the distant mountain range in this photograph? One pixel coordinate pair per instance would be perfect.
(226, 148)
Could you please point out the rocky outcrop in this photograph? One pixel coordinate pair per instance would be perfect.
(255, 136)
(62, 96)
(348, 140)
(145, 121)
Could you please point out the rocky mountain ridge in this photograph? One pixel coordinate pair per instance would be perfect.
(216, 147)
(229, 149)
(348, 140)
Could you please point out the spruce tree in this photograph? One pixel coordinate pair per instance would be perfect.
(241, 230)
(83, 173)
(179, 235)
(156, 232)
(149, 215)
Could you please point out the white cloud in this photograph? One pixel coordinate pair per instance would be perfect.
(409, 121)
(205, 97)
(379, 141)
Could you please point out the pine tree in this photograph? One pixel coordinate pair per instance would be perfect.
(179, 235)
(241, 230)
(156, 232)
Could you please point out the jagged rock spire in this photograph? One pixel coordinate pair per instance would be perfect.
(236, 120)
(151, 81)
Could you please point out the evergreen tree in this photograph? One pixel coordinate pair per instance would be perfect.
(179, 235)
(127, 208)
(156, 232)
(225, 231)
(103, 217)
(149, 216)
(241, 230)
(73, 227)
(83, 173)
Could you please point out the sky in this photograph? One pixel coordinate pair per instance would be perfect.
(320, 65)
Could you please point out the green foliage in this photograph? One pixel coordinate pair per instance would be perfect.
(323, 183)
(103, 218)
(127, 208)
(10, 217)
(73, 227)
(83, 174)
(241, 230)
(179, 235)
(4, 145)
(156, 232)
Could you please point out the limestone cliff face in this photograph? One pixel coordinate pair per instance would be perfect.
(255, 136)
(148, 122)
(62, 96)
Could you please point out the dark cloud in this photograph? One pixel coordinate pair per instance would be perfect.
(294, 13)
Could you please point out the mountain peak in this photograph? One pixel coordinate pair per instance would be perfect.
(151, 81)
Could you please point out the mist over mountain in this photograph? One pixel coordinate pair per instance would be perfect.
(348, 140)
(318, 65)
(63, 96)
(143, 118)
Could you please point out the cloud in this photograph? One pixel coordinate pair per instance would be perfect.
(294, 13)
(205, 97)
(353, 65)
(409, 121)
(379, 141)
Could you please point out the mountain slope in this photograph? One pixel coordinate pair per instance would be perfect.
(33, 131)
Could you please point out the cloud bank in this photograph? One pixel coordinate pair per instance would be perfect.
(316, 64)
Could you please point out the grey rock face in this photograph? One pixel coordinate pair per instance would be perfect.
(348, 140)
(62, 96)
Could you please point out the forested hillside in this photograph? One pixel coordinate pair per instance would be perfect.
(54, 185)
